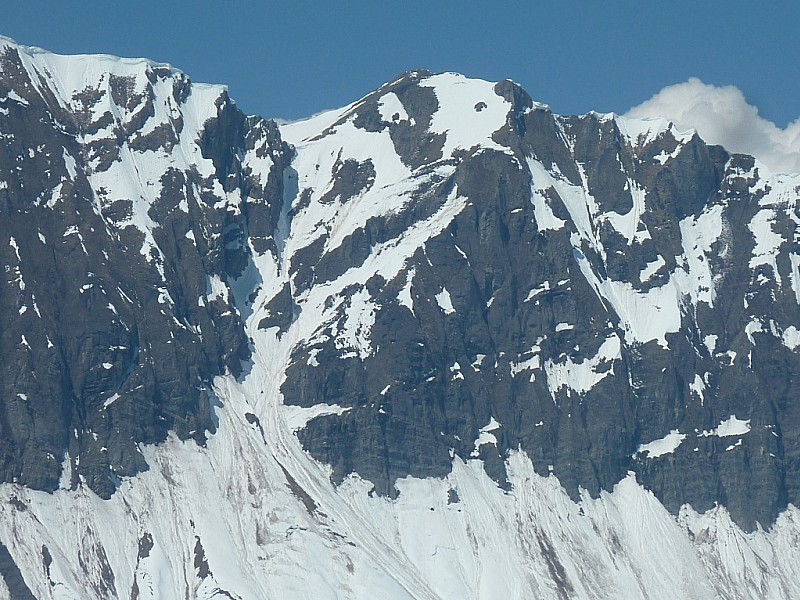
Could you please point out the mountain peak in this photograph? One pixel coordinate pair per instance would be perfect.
(98, 84)
(65, 60)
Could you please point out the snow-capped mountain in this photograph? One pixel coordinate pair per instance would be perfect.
(440, 343)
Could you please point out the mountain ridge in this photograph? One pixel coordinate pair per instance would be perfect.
(415, 305)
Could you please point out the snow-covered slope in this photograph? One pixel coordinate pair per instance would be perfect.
(487, 346)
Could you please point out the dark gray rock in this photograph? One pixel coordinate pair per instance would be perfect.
(105, 348)
(12, 576)
(410, 413)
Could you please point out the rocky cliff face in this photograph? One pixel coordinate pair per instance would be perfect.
(277, 335)
(126, 220)
(610, 295)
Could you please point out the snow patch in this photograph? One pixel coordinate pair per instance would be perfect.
(537, 290)
(357, 325)
(530, 364)
(391, 108)
(455, 368)
(13, 95)
(641, 132)
(698, 386)
(768, 242)
(732, 446)
(733, 426)
(651, 269)
(444, 302)
(216, 289)
(584, 375)
(666, 445)
(729, 427)
(469, 112)
(404, 297)
(13, 243)
(645, 316)
(754, 326)
(542, 212)
(485, 436)
(297, 417)
(794, 274)
(110, 400)
(697, 236)
(791, 337)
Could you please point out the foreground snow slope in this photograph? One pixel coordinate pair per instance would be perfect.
(252, 516)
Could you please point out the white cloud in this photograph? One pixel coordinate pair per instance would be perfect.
(721, 115)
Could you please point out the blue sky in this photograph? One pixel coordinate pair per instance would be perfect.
(293, 58)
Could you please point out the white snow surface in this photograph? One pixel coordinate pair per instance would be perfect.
(260, 541)
(651, 269)
(485, 436)
(581, 376)
(645, 315)
(733, 426)
(643, 130)
(791, 337)
(545, 219)
(391, 108)
(358, 322)
(652, 313)
(532, 363)
(445, 302)
(698, 387)
(767, 241)
(404, 297)
(729, 427)
(666, 445)
(469, 113)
